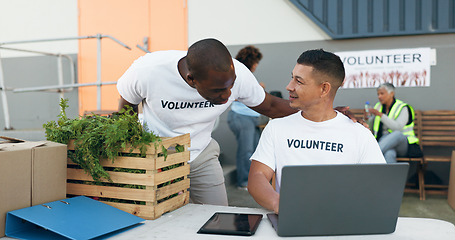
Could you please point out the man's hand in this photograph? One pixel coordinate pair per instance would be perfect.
(345, 110)
(276, 207)
(260, 188)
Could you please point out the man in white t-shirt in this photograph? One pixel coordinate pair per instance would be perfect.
(317, 134)
(185, 92)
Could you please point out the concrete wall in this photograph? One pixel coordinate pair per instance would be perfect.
(280, 58)
(38, 19)
(238, 22)
(29, 110)
(24, 20)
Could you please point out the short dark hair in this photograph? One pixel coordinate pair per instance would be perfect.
(325, 63)
(249, 56)
(208, 54)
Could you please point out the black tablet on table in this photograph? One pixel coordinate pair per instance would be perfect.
(232, 224)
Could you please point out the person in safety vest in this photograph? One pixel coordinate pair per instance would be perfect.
(392, 124)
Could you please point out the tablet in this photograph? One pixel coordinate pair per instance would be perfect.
(244, 224)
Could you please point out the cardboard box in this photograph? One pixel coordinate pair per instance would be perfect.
(31, 173)
(451, 195)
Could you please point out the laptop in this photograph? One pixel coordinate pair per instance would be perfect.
(348, 199)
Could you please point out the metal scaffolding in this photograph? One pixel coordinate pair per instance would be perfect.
(61, 87)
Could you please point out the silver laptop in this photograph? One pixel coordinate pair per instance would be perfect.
(340, 199)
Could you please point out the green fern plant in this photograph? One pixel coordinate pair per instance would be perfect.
(97, 137)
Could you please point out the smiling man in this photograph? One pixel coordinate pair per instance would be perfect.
(185, 92)
(316, 134)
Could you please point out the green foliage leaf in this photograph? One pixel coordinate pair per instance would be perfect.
(98, 137)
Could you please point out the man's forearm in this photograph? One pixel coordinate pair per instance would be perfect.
(123, 103)
(274, 107)
(263, 193)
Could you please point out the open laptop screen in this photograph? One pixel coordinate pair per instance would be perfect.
(341, 199)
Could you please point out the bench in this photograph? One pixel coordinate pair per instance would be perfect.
(434, 128)
(438, 130)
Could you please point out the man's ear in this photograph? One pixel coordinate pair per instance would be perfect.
(190, 80)
(325, 89)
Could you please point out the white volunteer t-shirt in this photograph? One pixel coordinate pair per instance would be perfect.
(171, 107)
(294, 140)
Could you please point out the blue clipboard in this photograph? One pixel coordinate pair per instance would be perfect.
(73, 218)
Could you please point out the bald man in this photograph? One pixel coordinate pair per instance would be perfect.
(185, 92)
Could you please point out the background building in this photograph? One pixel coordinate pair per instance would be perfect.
(282, 29)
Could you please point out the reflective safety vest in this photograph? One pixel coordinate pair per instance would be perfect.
(408, 130)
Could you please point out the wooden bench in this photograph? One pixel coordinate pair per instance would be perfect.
(438, 130)
(434, 128)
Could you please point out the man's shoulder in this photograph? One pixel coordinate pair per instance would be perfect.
(348, 124)
(284, 121)
(164, 54)
(241, 70)
(150, 61)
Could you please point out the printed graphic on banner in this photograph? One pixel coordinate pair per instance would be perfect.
(401, 67)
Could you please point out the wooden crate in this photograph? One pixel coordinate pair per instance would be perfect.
(151, 201)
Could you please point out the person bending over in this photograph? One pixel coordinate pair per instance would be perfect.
(185, 92)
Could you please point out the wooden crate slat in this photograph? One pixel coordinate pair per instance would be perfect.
(166, 142)
(165, 176)
(126, 162)
(144, 163)
(110, 192)
(142, 211)
(172, 188)
(129, 162)
(151, 150)
(172, 159)
(153, 212)
(127, 149)
(181, 140)
(172, 204)
(117, 177)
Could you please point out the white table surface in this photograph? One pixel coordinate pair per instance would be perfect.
(184, 223)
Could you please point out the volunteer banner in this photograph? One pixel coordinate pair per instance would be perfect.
(401, 67)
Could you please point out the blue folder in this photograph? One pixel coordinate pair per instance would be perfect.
(73, 218)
